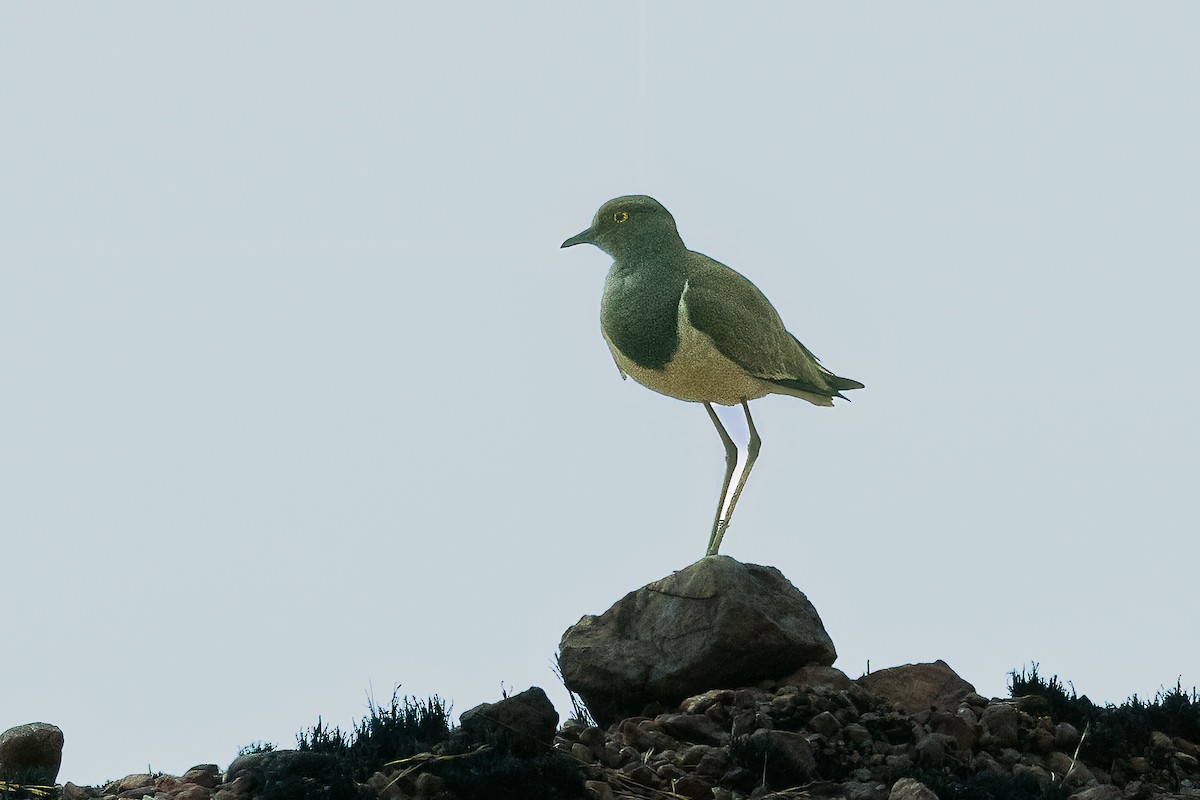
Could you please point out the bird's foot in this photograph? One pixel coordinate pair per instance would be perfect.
(714, 541)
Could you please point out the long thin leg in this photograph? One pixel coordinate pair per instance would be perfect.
(751, 455)
(731, 455)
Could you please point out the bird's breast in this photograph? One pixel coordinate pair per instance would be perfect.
(695, 371)
(638, 315)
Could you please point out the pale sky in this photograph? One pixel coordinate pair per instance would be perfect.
(301, 397)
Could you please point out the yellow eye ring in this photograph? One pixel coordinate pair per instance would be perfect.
(620, 216)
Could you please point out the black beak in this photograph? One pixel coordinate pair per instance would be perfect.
(580, 238)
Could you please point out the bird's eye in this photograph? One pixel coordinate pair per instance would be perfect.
(620, 216)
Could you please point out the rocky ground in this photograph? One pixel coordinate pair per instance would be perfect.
(912, 733)
(781, 723)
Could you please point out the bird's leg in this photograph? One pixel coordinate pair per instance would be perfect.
(751, 454)
(731, 454)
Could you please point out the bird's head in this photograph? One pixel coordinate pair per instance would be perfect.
(627, 224)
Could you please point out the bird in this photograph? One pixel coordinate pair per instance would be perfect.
(689, 327)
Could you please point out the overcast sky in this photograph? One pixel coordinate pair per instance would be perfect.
(299, 396)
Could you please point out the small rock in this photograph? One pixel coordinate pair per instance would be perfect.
(599, 790)
(813, 675)
(744, 723)
(592, 737)
(582, 752)
(1058, 762)
(1186, 762)
(691, 756)
(1066, 737)
(203, 776)
(72, 792)
(610, 756)
(918, 687)
(1042, 740)
(668, 772)
(646, 734)
(1160, 741)
(32, 752)
(865, 790)
(826, 724)
(644, 775)
(700, 703)
(1037, 773)
(787, 745)
(695, 728)
(1184, 746)
(975, 700)
(429, 784)
(1033, 704)
(1139, 765)
(136, 780)
(857, 735)
(910, 789)
(165, 783)
(959, 727)
(1103, 792)
(693, 788)
(714, 764)
(930, 752)
(1008, 757)
(983, 762)
(1001, 725)
(189, 791)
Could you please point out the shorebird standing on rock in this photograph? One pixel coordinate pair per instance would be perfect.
(691, 328)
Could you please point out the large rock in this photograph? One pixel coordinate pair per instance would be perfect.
(291, 775)
(716, 624)
(31, 753)
(918, 687)
(523, 724)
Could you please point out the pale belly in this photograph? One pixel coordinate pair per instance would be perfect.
(697, 373)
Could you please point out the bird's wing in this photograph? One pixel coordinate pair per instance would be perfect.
(746, 328)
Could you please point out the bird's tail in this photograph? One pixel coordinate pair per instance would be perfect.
(840, 383)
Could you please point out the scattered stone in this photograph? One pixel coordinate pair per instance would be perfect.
(930, 751)
(1001, 724)
(203, 776)
(525, 722)
(687, 633)
(599, 790)
(960, 727)
(699, 728)
(1184, 746)
(1035, 771)
(911, 789)
(32, 752)
(189, 791)
(692, 787)
(1066, 737)
(1160, 741)
(786, 744)
(72, 792)
(813, 675)
(913, 688)
(137, 780)
(1103, 792)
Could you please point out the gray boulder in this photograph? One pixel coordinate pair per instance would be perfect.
(716, 624)
(523, 724)
(31, 753)
(913, 688)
